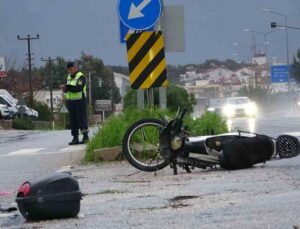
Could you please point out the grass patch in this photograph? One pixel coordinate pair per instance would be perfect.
(111, 133)
(209, 123)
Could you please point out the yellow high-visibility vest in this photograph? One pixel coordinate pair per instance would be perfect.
(73, 82)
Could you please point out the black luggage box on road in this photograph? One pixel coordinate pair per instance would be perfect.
(52, 197)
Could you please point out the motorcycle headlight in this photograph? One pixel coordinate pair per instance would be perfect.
(176, 143)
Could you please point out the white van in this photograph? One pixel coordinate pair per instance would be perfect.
(10, 106)
(4, 112)
(29, 112)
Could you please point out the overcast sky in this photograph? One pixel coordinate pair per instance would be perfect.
(69, 27)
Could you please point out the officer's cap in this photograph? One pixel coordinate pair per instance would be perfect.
(70, 64)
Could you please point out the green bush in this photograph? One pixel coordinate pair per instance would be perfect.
(112, 131)
(177, 97)
(209, 123)
(43, 110)
(23, 124)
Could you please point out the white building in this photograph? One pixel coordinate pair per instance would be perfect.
(122, 83)
(44, 97)
(259, 59)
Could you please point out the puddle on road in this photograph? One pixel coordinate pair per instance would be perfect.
(12, 138)
(175, 202)
(108, 191)
(178, 201)
(180, 198)
(134, 181)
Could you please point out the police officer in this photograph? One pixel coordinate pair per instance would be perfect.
(75, 95)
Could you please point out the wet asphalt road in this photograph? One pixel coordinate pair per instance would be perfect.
(262, 197)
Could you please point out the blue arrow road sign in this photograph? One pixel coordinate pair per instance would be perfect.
(124, 30)
(279, 74)
(139, 14)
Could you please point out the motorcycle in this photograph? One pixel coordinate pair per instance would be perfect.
(151, 144)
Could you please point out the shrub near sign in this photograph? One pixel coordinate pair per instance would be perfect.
(103, 105)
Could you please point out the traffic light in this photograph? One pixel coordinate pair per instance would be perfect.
(273, 24)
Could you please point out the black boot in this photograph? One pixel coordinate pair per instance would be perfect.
(85, 139)
(74, 141)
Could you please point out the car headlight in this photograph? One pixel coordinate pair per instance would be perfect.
(251, 109)
(228, 111)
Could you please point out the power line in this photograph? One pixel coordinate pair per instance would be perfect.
(28, 39)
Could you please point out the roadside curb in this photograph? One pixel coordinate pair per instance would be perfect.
(107, 154)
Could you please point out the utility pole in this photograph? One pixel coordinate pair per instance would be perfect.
(254, 64)
(28, 39)
(49, 61)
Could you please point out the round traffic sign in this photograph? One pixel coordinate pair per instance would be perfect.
(139, 14)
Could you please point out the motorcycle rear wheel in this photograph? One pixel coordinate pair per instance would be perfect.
(141, 145)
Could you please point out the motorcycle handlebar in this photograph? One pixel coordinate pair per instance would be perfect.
(182, 114)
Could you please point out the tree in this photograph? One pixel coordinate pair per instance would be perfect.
(90, 66)
(177, 97)
(100, 73)
(295, 68)
(43, 110)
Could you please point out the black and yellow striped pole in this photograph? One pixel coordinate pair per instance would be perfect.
(147, 63)
(146, 59)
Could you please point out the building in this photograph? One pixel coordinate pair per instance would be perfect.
(123, 84)
(43, 96)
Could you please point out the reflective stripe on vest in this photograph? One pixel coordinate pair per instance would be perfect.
(73, 82)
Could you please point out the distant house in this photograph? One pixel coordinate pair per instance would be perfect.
(123, 84)
(44, 97)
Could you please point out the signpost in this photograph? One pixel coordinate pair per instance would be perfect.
(139, 14)
(3, 72)
(147, 63)
(279, 74)
(103, 105)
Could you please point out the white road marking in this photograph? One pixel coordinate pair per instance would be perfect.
(35, 151)
(73, 148)
(6, 215)
(26, 151)
(66, 168)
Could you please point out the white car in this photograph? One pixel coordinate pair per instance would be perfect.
(28, 112)
(4, 111)
(216, 105)
(13, 110)
(239, 107)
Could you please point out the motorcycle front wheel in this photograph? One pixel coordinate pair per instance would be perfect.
(141, 145)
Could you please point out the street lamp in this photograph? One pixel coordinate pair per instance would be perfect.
(251, 48)
(244, 46)
(286, 38)
(274, 25)
(252, 54)
(264, 35)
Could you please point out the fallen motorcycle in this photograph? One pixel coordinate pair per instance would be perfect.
(151, 144)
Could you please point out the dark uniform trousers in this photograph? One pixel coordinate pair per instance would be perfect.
(78, 116)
